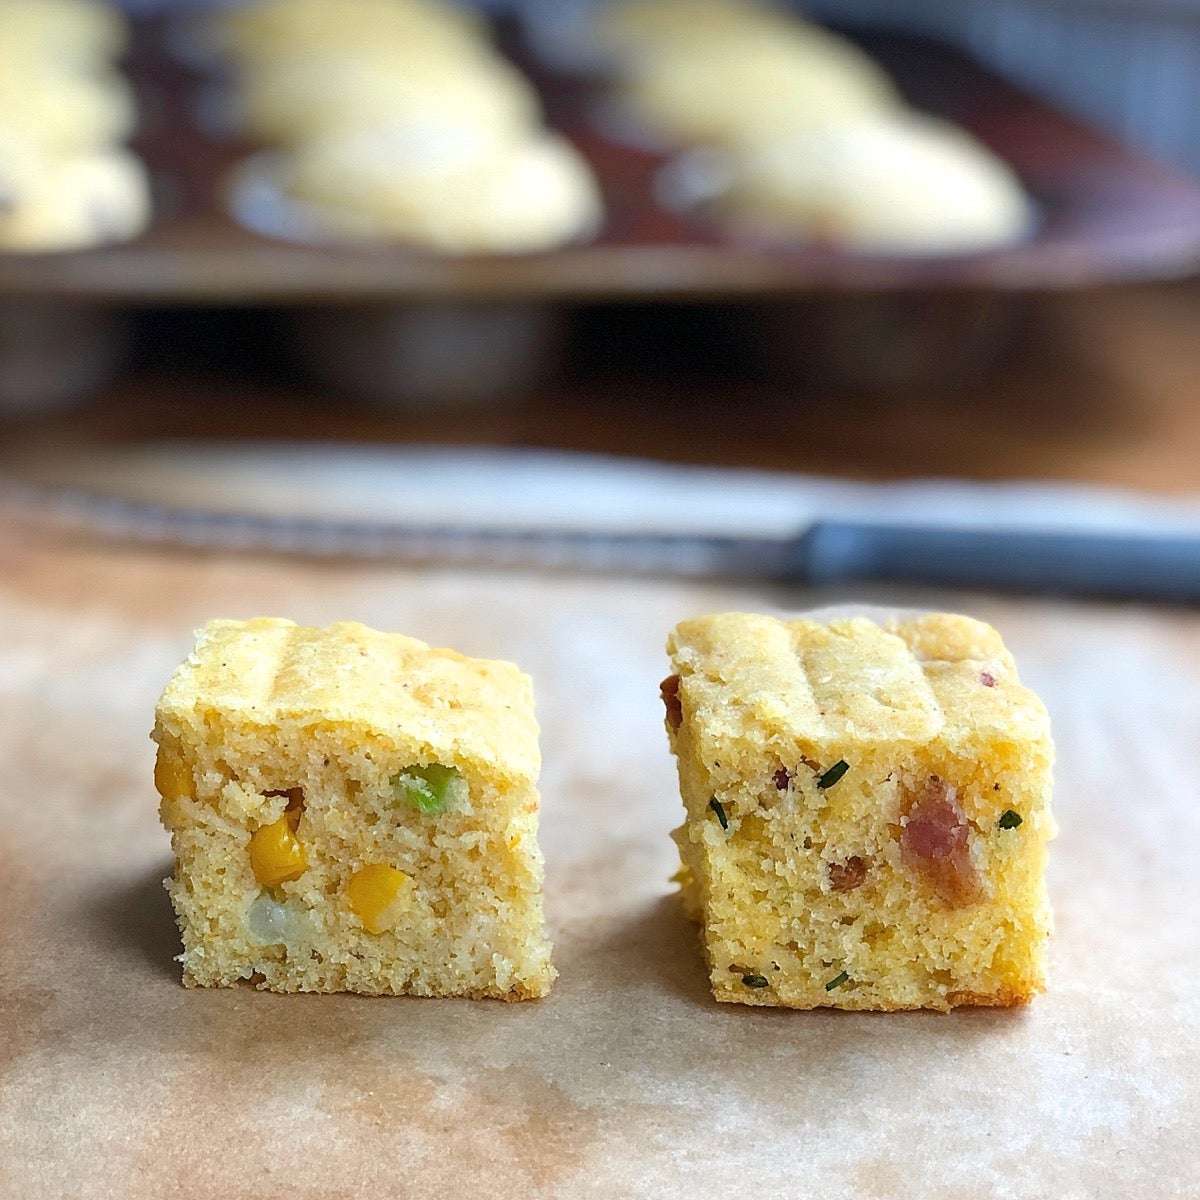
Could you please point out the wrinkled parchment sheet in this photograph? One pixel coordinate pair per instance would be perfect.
(629, 1080)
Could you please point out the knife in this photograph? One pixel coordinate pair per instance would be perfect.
(828, 552)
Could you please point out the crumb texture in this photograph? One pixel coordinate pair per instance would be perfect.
(867, 811)
(352, 811)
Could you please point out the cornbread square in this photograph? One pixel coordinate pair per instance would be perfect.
(352, 811)
(867, 811)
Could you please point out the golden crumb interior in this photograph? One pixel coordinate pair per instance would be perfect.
(333, 834)
(867, 811)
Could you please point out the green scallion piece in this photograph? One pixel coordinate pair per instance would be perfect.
(427, 789)
(830, 777)
(719, 809)
(1010, 819)
(755, 981)
(837, 981)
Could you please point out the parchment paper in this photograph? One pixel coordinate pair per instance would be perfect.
(629, 1080)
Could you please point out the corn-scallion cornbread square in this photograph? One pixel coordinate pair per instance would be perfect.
(867, 811)
(352, 811)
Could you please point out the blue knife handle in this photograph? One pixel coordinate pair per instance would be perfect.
(1116, 566)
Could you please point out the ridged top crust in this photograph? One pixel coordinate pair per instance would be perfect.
(269, 670)
(849, 681)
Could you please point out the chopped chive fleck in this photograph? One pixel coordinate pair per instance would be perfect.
(755, 981)
(719, 809)
(830, 777)
(837, 981)
(1010, 819)
(427, 789)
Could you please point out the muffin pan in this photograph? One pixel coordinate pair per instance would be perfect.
(1106, 214)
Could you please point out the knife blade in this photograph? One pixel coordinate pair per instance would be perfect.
(1153, 568)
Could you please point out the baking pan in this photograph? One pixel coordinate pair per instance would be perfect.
(1106, 215)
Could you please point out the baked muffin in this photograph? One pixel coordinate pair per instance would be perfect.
(289, 100)
(70, 203)
(455, 197)
(631, 29)
(867, 811)
(753, 85)
(65, 112)
(270, 28)
(900, 184)
(20, 165)
(352, 811)
(83, 34)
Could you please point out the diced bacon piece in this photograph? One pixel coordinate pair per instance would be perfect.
(669, 690)
(846, 876)
(935, 843)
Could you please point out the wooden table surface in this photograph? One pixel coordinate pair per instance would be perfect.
(1103, 387)
(628, 1080)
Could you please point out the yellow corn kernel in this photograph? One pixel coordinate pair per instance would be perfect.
(276, 854)
(171, 775)
(378, 894)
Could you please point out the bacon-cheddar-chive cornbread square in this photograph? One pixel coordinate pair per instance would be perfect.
(867, 811)
(352, 811)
